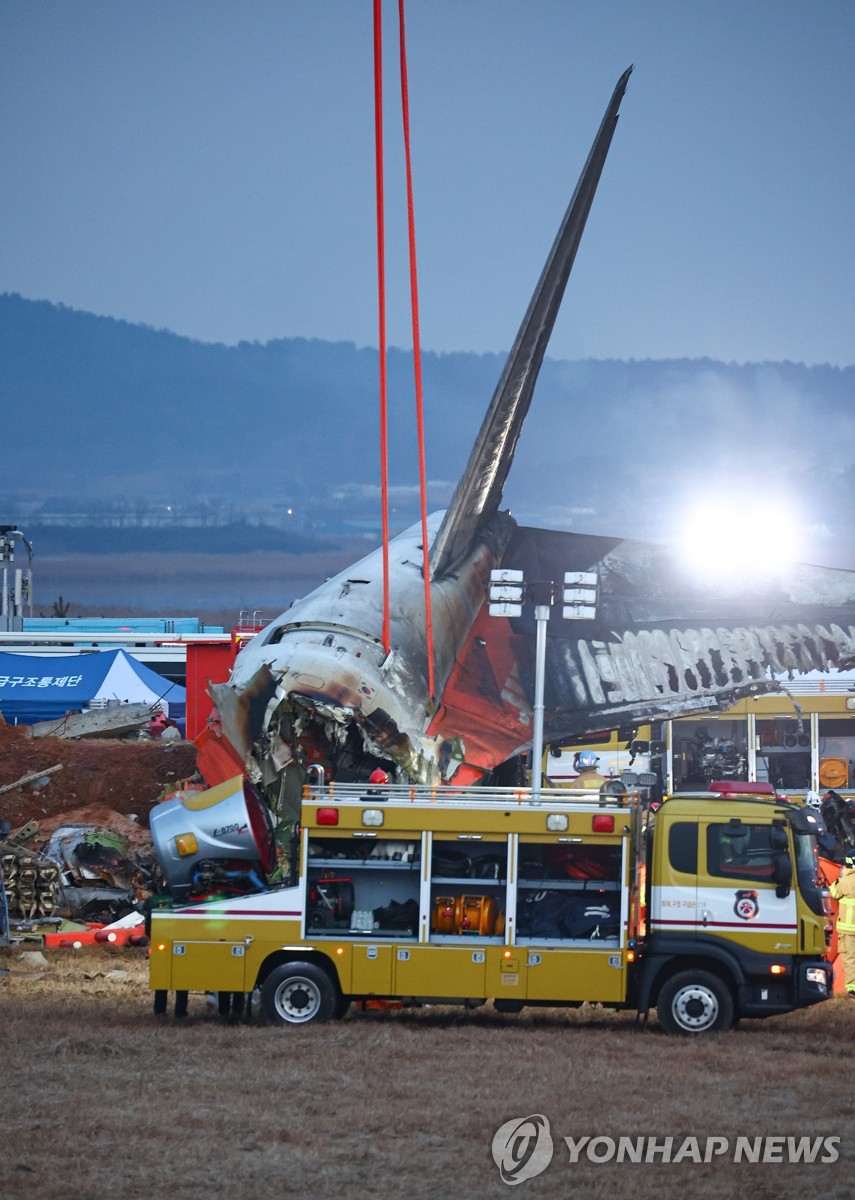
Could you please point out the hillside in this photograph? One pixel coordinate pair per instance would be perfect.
(177, 432)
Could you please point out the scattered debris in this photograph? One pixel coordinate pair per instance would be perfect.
(116, 975)
(75, 853)
(32, 960)
(34, 777)
(31, 883)
(96, 723)
(128, 930)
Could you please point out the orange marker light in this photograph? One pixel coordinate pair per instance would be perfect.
(777, 969)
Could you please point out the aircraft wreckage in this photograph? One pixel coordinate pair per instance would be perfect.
(318, 684)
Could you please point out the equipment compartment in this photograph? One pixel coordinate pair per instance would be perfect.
(357, 886)
(568, 893)
(468, 889)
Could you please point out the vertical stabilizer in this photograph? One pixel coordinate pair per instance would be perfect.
(479, 492)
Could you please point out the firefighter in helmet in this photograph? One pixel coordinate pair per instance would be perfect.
(378, 778)
(589, 777)
(843, 891)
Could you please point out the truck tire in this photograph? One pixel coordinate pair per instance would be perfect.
(342, 1007)
(508, 1006)
(298, 993)
(695, 1002)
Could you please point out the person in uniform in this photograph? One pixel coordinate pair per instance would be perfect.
(589, 777)
(843, 891)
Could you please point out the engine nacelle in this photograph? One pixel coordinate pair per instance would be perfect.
(229, 823)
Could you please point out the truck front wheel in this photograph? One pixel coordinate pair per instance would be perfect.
(695, 1002)
(298, 993)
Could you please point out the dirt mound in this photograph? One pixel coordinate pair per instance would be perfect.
(102, 778)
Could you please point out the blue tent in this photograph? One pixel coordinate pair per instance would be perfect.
(34, 688)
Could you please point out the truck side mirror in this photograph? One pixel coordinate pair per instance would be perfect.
(782, 874)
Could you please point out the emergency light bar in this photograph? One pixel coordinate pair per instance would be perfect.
(741, 787)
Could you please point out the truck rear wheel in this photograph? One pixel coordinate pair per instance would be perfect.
(298, 993)
(695, 1002)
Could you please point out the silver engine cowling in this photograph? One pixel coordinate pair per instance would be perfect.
(229, 826)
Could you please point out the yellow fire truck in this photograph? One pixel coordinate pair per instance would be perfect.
(709, 909)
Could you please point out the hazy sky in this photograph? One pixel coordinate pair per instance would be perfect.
(207, 166)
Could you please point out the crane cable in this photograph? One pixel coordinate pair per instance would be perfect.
(417, 353)
(381, 313)
(414, 305)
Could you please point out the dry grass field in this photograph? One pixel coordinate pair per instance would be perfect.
(102, 1101)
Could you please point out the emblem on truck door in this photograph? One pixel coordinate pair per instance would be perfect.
(747, 905)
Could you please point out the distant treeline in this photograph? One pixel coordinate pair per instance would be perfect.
(99, 408)
(52, 540)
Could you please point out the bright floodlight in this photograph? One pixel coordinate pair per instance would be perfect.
(749, 535)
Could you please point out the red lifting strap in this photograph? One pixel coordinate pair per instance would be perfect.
(414, 303)
(417, 350)
(381, 309)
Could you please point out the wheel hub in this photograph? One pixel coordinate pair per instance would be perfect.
(297, 1000)
(695, 1008)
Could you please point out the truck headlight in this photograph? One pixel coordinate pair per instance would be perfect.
(816, 975)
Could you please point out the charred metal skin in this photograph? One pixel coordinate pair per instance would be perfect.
(660, 645)
(322, 664)
(661, 637)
